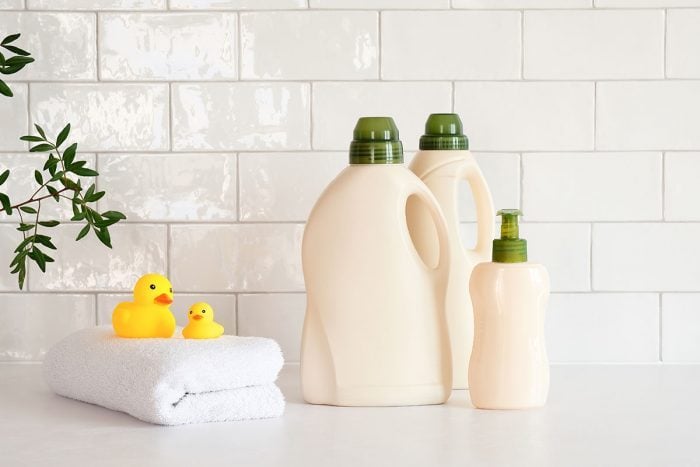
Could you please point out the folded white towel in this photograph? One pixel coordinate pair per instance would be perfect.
(169, 381)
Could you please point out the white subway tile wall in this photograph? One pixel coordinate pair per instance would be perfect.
(216, 124)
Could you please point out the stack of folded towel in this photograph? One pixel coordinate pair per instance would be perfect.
(169, 381)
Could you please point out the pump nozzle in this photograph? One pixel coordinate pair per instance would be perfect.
(510, 248)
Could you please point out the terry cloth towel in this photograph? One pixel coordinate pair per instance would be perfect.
(169, 381)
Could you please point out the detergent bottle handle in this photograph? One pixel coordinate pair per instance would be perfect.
(485, 214)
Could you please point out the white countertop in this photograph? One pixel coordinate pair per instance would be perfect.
(607, 415)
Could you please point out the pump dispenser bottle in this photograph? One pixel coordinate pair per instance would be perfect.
(508, 368)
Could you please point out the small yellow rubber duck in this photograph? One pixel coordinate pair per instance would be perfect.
(149, 314)
(202, 324)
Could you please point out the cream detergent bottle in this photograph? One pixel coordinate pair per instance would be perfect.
(508, 367)
(375, 332)
(443, 162)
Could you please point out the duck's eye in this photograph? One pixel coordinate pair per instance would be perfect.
(204, 311)
(153, 287)
(190, 311)
(171, 290)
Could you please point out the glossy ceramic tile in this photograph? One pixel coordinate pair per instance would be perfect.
(284, 187)
(21, 185)
(337, 106)
(224, 307)
(423, 45)
(682, 190)
(240, 116)
(680, 328)
(335, 45)
(11, 4)
(87, 265)
(172, 46)
(379, 4)
(62, 44)
(236, 4)
(9, 239)
(240, 258)
(97, 4)
(502, 174)
(277, 316)
(105, 117)
(12, 128)
(31, 323)
(683, 44)
(619, 328)
(511, 4)
(170, 187)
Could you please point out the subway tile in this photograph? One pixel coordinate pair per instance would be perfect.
(21, 185)
(682, 172)
(241, 257)
(415, 45)
(9, 239)
(224, 308)
(105, 117)
(680, 328)
(564, 249)
(595, 328)
(31, 323)
(173, 46)
(241, 116)
(15, 126)
(379, 4)
(277, 316)
(646, 3)
(648, 115)
(592, 186)
(602, 44)
(646, 257)
(62, 44)
(337, 106)
(309, 45)
(11, 4)
(502, 174)
(284, 187)
(521, 4)
(170, 187)
(236, 4)
(683, 44)
(527, 116)
(88, 265)
(96, 4)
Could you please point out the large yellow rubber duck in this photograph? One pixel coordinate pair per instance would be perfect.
(202, 324)
(148, 315)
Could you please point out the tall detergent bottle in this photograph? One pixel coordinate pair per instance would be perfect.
(509, 367)
(375, 332)
(443, 162)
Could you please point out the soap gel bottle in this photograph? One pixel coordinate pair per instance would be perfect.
(509, 367)
(443, 163)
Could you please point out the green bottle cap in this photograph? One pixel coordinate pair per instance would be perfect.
(510, 248)
(444, 132)
(376, 141)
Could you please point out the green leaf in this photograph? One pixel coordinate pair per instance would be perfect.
(53, 192)
(113, 215)
(103, 235)
(18, 60)
(5, 89)
(24, 243)
(85, 172)
(28, 209)
(16, 50)
(46, 241)
(4, 176)
(38, 177)
(58, 176)
(42, 148)
(38, 258)
(33, 139)
(10, 70)
(69, 153)
(40, 131)
(21, 277)
(83, 232)
(63, 135)
(6, 205)
(95, 197)
(49, 223)
(10, 38)
(25, 227)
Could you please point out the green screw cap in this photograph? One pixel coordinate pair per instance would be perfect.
(510, 248)
(376, 141)
(444, 132)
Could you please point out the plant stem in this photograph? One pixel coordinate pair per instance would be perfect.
(34, 200)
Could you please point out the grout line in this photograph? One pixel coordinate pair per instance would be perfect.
(348, 81)
(352, 10)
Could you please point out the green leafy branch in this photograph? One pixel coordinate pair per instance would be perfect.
(58, 179)
(13, 64)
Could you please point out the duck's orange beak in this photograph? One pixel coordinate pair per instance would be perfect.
(163, 299)
(197, 317)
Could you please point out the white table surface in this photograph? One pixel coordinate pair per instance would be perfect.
(606, 415)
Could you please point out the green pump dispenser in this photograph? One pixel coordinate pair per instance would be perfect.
(510, 248)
